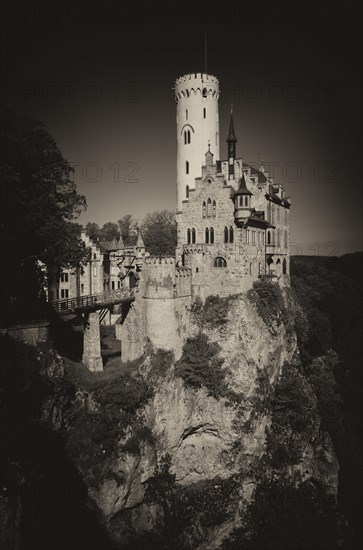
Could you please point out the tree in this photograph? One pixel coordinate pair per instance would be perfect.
(128, 229)
(160, 233)
(39, 202)
(93, 230)
(109, 231)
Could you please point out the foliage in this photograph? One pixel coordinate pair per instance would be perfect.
(188, 511)
(128, 229)
(287, 517)
(39, 201)
(160, 233)
(200, 365)
(160, 362)
(267, 297)
(294, 418)
(213, 312)
(109, 231)
(94, 439)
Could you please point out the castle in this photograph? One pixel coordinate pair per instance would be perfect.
(233, 228)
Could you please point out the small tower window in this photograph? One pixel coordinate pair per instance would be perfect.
(187, 191)
(186, 114)
(187, 167)
(219, 262)
(226, 234)
(284, 266)
(204, 93)
(286, 239)
(214, 209)
(185, 137)
(211, 233)
(204, 209)
(188, 236)
(204, 112)
(209, 208)
(193, 235)
(268, 237)
(231, 234)
(206, 235)
(250, 268)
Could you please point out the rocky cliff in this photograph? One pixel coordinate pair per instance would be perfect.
(174, 451)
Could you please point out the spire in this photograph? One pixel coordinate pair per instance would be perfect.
(231, 140)
(231, 135)
(140, 241)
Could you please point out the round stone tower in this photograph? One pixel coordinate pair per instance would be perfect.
(197, 124)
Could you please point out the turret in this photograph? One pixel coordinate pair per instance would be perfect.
(197, 125)
(242, 203)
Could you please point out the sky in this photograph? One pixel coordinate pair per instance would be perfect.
(100, 75)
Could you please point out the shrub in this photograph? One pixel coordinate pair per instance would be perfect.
(268, 299)
(213, 312)
(200, 365)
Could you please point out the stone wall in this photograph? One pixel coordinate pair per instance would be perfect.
(33, 334)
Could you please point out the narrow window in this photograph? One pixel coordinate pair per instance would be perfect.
(187, 191)
(231, 234)
(207, 235)
(226, 234)
(204, 209)
(186, 114)
(240, 200)
(193, 235)
(82, 288)
(209, 208)
(250, 268)
(94, 256)
(188, 236)
(204, 113)
(113, 285)
(187, 167)
(185, 137)
(214, 209)
(268, 237)
(211, 232)
(204, 93)
(189, 136)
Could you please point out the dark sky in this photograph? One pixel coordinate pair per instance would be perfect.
(101, 77)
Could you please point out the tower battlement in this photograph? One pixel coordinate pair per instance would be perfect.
(196, 83)
(156, 261)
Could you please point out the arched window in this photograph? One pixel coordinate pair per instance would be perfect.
(206, 235)
(188, 236)
(209, 208)
(186, 114)
(284, 266)
(286, 239)
(193, 235)
(188, 140)
(204, 93)
(226, 234)
(231, 234)
(250, 268)
(186, 167)
(185, 137)
(219, 262)
(204, 113)
(187, 191)
(268, 237)
(214, 208)
(204, 209)
(211, 233)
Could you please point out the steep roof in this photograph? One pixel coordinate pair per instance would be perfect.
(114, 244)
(242, 189)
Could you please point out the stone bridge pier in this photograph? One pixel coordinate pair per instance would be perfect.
(92, 342)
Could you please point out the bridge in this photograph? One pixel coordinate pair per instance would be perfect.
(93, 302)
(89, 306)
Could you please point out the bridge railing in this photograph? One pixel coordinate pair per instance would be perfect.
(91, 299)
